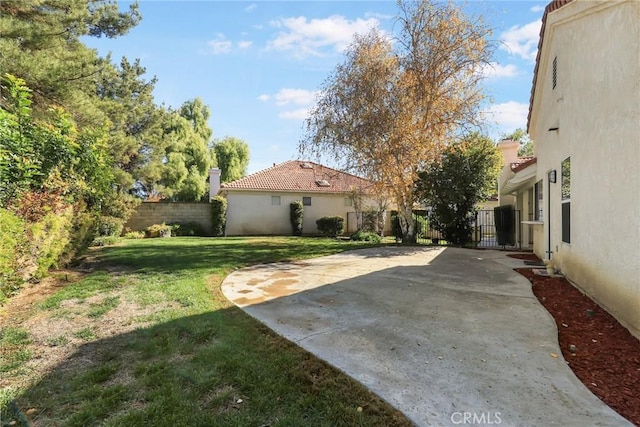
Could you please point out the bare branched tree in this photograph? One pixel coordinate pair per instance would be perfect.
(388, 110)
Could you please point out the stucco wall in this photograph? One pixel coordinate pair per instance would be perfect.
(149, 213)
(596, 108)
(251, 213)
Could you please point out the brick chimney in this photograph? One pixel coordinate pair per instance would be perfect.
(214, 182)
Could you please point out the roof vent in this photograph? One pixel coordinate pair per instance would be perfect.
(306, 165)
(323, 183)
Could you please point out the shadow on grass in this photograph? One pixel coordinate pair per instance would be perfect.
(218, 368)
(171, 255)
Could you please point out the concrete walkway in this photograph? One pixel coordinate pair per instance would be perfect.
(447, 336)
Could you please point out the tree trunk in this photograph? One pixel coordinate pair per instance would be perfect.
(405, 215)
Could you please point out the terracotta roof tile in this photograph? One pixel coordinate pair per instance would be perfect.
(297, 175)
(523, 163)
(554, 5)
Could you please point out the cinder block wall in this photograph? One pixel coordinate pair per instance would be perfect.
(149, 213)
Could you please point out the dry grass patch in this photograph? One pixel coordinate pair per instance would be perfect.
(152, 341)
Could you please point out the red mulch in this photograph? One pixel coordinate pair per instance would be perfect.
(607, 356)
(527, 257)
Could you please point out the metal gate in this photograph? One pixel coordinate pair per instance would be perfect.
(484, 233)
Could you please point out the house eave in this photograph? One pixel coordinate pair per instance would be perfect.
(520, 180)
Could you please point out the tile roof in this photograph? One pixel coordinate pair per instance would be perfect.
(297, 175)
(523, 163)
(554, 5)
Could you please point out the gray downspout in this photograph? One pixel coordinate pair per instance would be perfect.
(549, 218)
(550, 174)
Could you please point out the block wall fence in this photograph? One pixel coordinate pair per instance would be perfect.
(149, 213)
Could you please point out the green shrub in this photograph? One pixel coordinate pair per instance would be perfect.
(105, 241)
(186, 229)
(366, 236)
(158, 230)
(13, 246)
(83, 231)
(48, 239)
(296, 217)
(218, 215)
(110, 226)
(330, 226)
(33, 239)
(134, 235)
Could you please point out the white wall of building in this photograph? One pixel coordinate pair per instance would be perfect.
(252, 212)
(596, 108)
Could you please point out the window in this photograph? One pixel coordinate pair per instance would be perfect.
(306, 201)
(275, 200)
(538, 198)
(566, 179)
(348, 201)
(554, 76)
(566, 200)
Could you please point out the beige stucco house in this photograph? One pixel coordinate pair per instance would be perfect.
(258, 204)
(584, 120)
(516, 187)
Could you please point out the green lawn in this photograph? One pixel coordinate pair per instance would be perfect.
(152, 341)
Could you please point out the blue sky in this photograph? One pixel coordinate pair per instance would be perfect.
(258, 64)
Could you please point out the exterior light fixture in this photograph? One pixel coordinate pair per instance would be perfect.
(552, 176)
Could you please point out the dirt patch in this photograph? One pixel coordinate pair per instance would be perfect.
(601, 352)
(19, 306)
(57, 334)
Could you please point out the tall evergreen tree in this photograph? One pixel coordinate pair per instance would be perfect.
(187, 153)
(41, 44)
(233, 158)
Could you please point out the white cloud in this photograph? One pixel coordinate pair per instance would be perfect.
(288, 96)
(244, 44)
(310, 37)
(380, 16)
(508, 115)
(300, 100)
(495, 70)
(251, 7)
(537, 8)
(220, 45)
(522, 41)
(299, 114)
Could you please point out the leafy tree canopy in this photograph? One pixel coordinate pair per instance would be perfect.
(453, 187)
(152, 150)
(54, 156)
(233, 158)
(41, 44)
(390, 108)
(187, 154)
